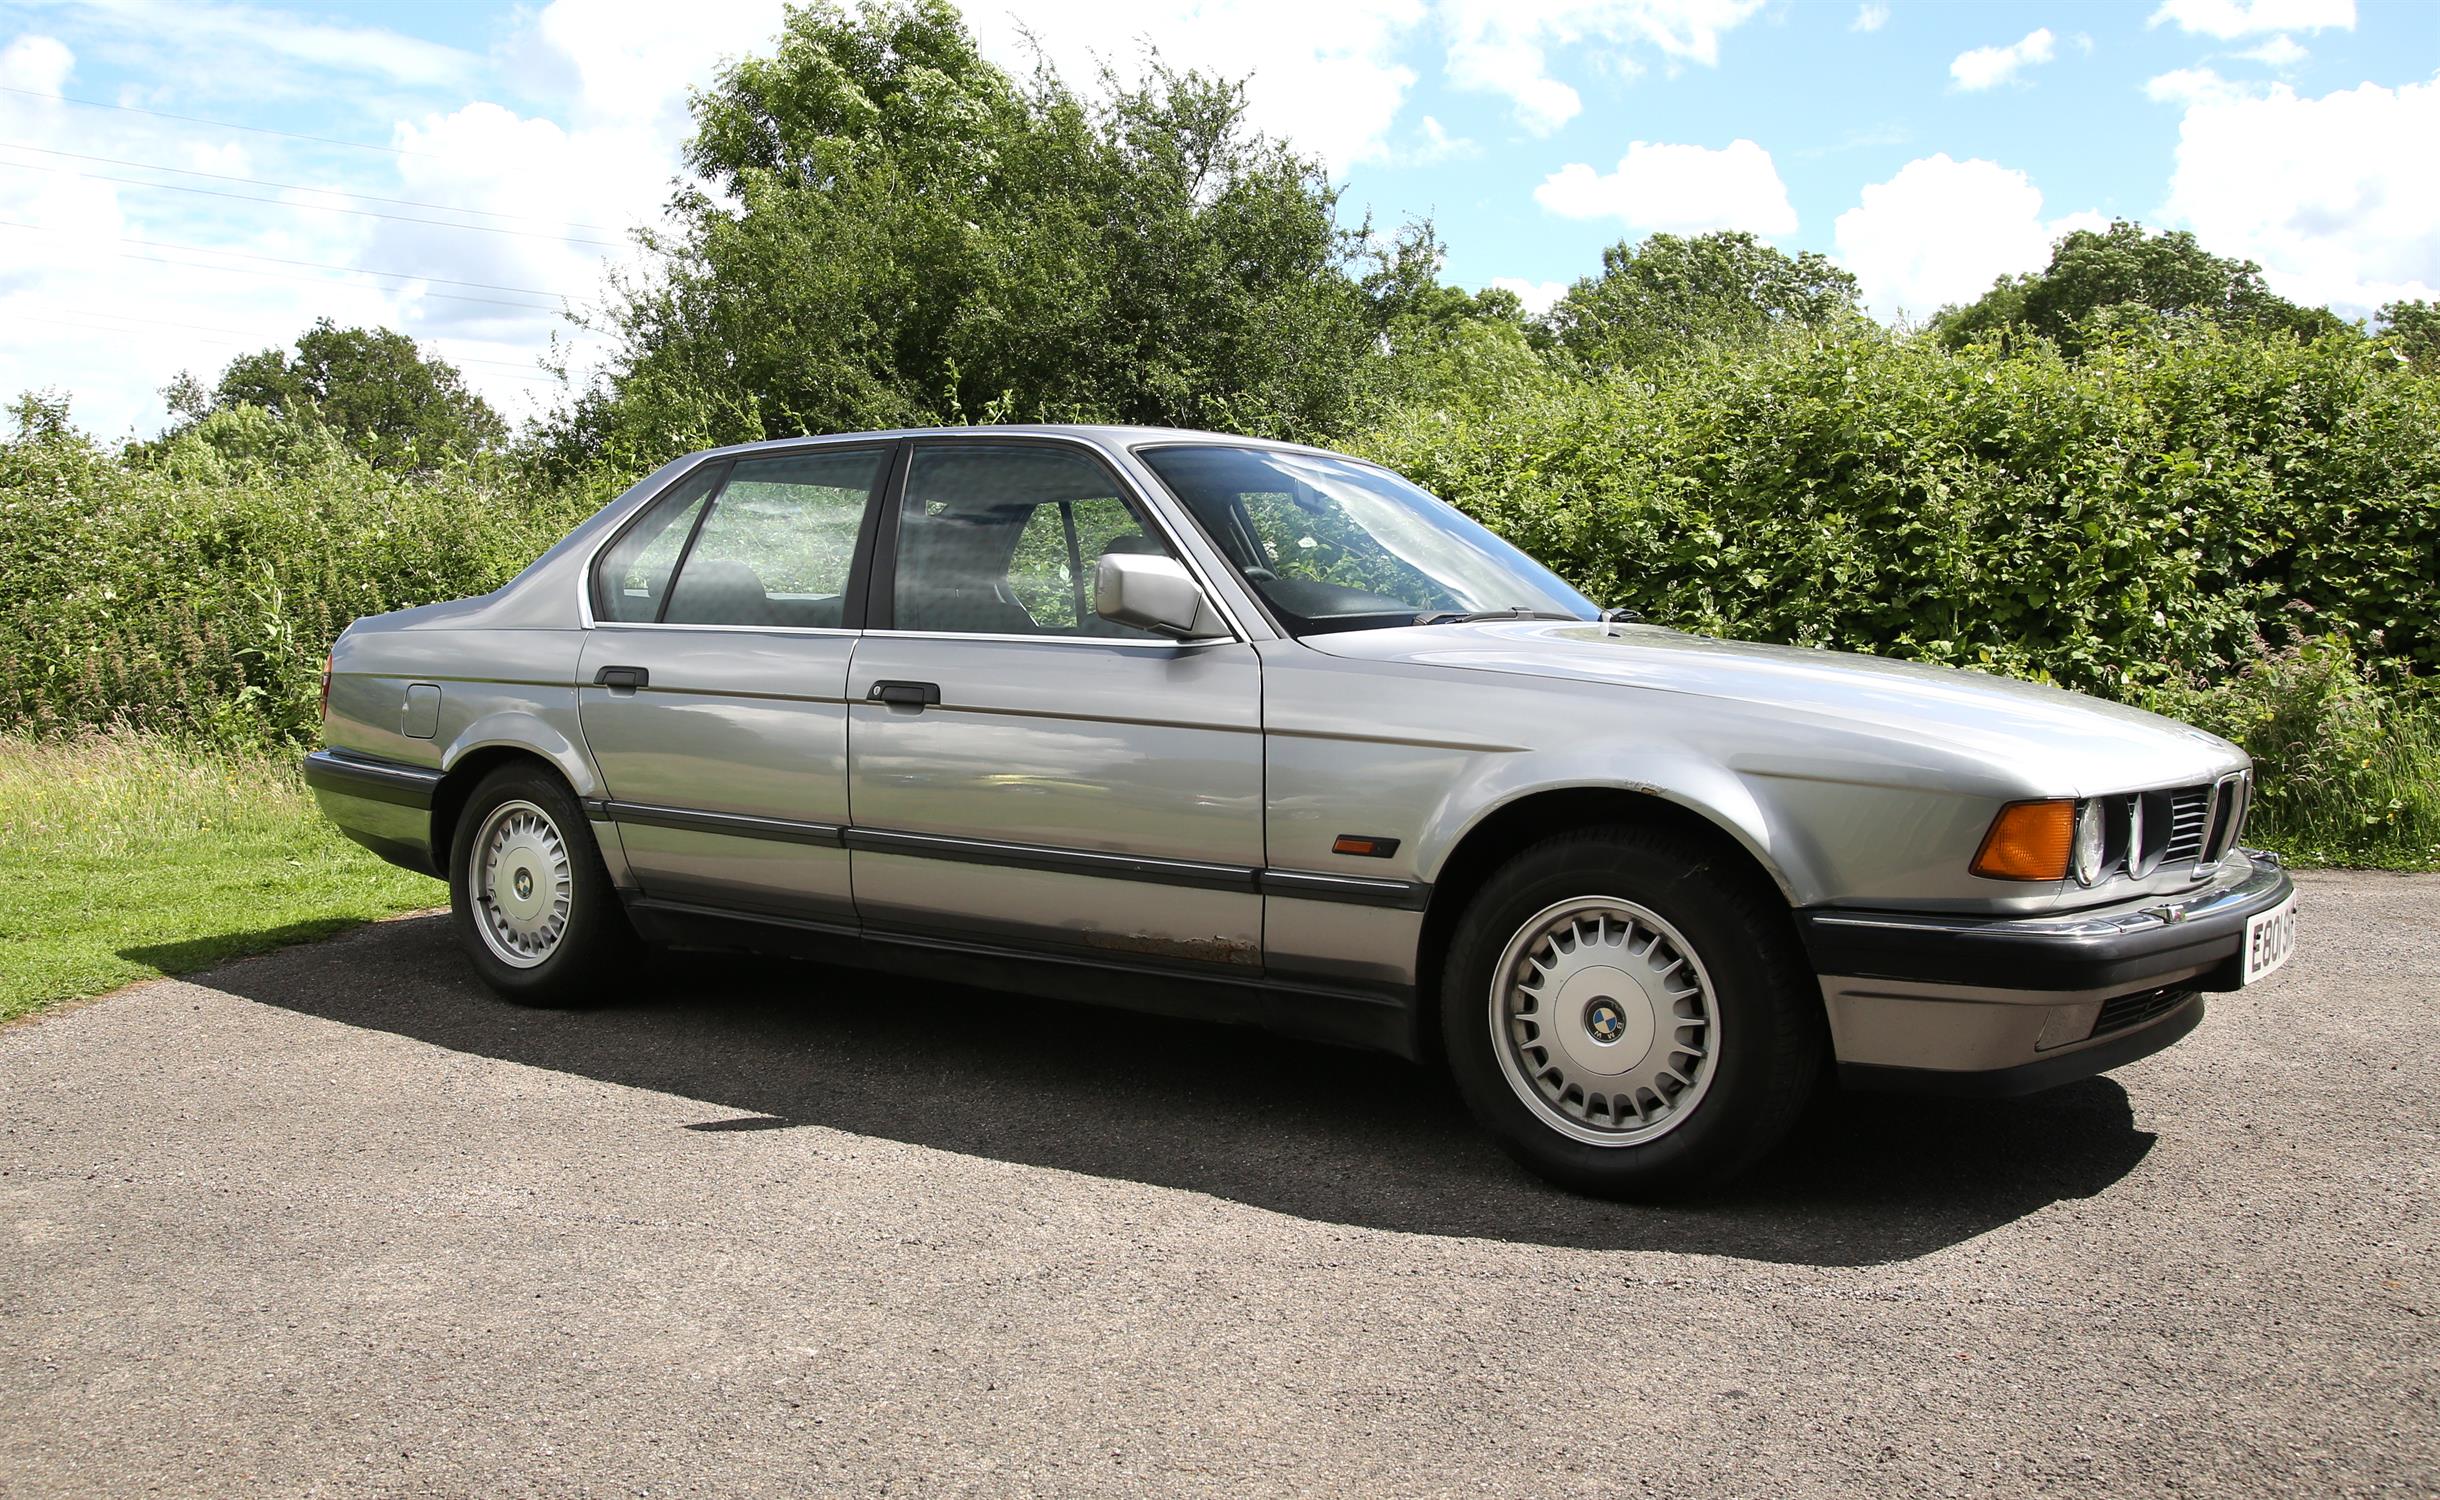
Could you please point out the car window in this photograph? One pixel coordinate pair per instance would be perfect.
(1003, 541)
(1334, 544)
(778, 544)
(632, 577)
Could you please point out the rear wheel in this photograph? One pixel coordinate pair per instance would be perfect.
(529, 895)
(1627, 1012)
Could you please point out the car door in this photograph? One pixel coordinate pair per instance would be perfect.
(712, 690)
(1024, 772)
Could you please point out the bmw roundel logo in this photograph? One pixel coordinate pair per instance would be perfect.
(1605, 1021)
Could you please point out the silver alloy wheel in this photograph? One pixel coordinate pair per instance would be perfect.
(518, 881)
(1604, 1021)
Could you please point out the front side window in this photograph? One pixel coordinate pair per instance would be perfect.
(778, 544)
(1004, 541)
(1332, 544)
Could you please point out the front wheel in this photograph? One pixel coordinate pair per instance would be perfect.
(529, 896)
(1627, 1012)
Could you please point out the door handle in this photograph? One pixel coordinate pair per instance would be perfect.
(905, 694)
(628, 678)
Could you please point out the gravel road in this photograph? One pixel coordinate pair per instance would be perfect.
(335, 1222)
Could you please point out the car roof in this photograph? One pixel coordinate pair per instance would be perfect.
(1108, 436)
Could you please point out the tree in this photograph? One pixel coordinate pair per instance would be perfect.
(2413, 329)
(369, 386)
(2126, 271)
(1672, 294)
(888, 229)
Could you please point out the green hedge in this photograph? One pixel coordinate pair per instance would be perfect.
(2165, 507)
(198, 592)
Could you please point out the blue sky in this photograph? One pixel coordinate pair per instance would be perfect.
(491, 153)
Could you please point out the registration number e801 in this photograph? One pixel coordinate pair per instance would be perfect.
(2270, 940)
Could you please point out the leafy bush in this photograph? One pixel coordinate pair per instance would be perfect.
(199, 593)
(2348, 769)
(2156, 508)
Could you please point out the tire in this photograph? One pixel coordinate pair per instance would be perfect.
(527, 946)
(1680, 1012)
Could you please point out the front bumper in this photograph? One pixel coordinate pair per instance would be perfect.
(1999, 1005)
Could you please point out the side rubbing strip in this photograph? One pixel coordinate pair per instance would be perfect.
(778, 829)
(1404, 895)
(1066, 861)
(1303, 885)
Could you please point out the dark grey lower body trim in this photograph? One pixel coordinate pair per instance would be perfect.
(1402, 895)
(378, 780)
(1066, 861)
(1354, 890)
(780, 830)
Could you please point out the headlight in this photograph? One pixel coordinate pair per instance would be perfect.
(2092, 840)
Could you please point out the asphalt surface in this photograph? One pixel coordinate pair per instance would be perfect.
(336, 1222)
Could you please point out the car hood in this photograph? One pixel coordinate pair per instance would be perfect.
(2094, 745)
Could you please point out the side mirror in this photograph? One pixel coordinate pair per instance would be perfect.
(1152, 593)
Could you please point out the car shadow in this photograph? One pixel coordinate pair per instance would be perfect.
(1318, 1132)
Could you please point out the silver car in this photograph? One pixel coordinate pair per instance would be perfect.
(1263, 733)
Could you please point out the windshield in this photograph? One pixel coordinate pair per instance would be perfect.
(1332, 544)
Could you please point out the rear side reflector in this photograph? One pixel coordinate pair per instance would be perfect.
(2028, 841)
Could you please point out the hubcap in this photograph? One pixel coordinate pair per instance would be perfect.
(1604, 1021)
(518, 878)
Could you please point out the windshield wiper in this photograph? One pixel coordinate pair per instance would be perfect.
(1467, 616)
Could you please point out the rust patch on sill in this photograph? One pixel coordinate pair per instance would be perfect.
(1210, 950)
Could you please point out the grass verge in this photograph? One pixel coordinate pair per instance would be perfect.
(124, 857)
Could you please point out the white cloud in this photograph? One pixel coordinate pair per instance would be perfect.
(1538, 296)
(1677, 190)
(2190, 86)
(1869, 17)
(2331, 195)
(1989, 67)
(2227, 20)
(1941, 231)
(237, 50)
(38, 64)
(1503, 46)
(634, 60)
(1326, 77)
(2281, 52)
(1435, 147)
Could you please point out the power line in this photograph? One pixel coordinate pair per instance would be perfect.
(278, 260)
(304, 187)
(328, 208)
(190, 265)
(160, 114)
(108, 328)
(529, 374)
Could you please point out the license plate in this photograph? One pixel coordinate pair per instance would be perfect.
(2270, 940)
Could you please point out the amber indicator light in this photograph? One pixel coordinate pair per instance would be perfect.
(2028, 841)
(1366, 847)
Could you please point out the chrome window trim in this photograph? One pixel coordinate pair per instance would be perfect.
(1117, 460)
(1123, 644)
(1131, 490)
(585, 620)
(728, 629)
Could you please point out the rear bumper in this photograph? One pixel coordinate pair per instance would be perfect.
(2012, 1005)
(385, 806)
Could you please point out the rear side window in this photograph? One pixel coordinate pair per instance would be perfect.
(632, 578)
(779, 543)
